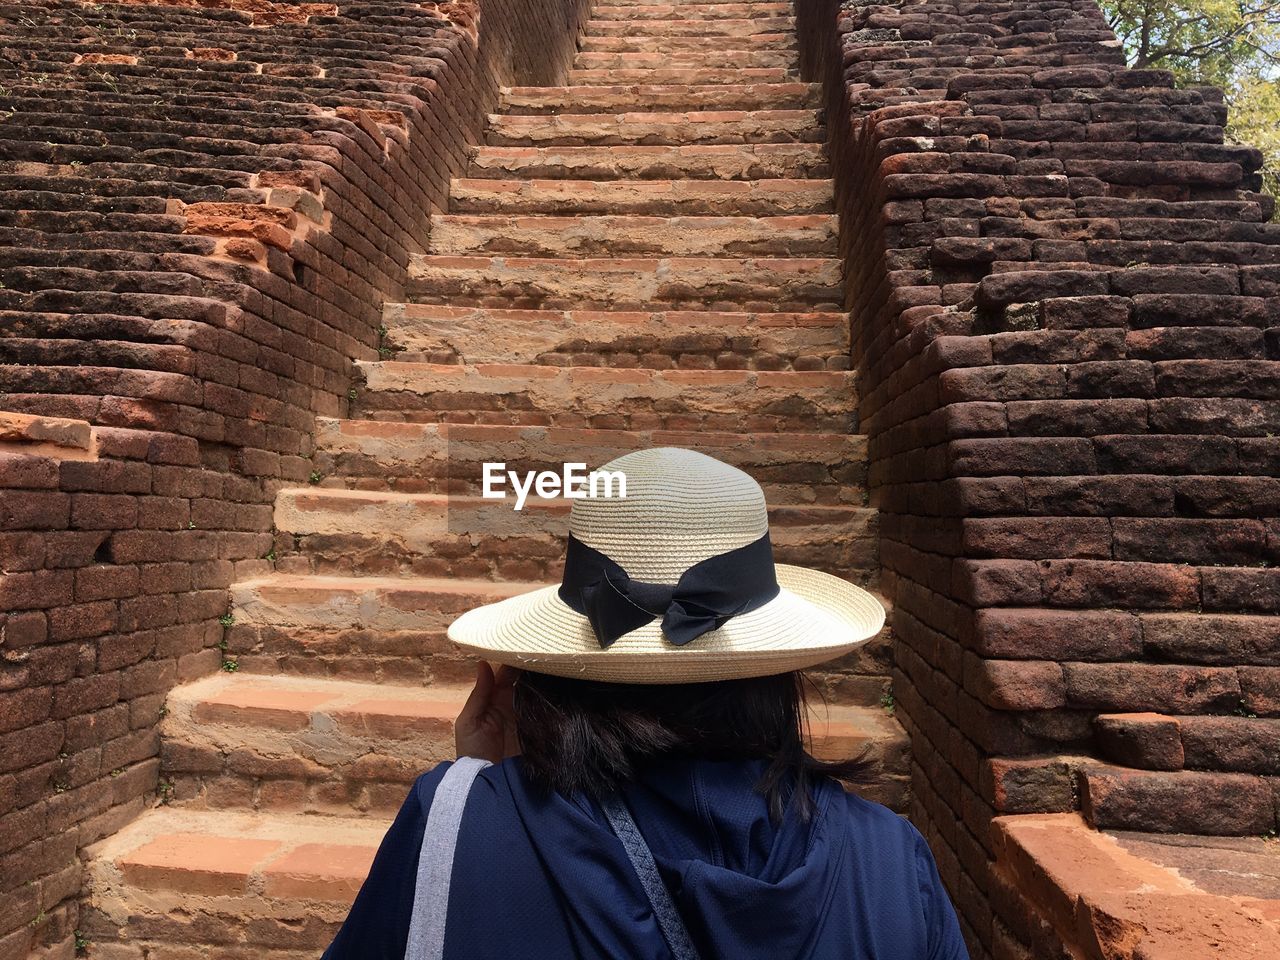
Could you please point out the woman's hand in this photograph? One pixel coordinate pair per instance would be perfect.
(486, 727)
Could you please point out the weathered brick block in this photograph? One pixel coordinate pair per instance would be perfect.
(104, 511)
(23, 629)
(35, 510)
(1208, 638)
(1149, 741)
(85, 694)
(1177, 802)
(1029, 786)
(1016, 684)
(1140, 686)
(20, 470)
(1042, 634)
(1246, 744)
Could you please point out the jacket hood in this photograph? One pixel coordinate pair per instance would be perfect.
(746, 887)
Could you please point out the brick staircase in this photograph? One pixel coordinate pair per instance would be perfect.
(644, 257)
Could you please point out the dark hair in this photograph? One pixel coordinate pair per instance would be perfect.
(592, 736)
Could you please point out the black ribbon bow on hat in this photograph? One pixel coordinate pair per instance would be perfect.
(707, 595)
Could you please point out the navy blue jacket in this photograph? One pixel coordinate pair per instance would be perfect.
(540, 876)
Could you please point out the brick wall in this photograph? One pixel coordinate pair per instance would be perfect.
(1064, 301)
(202, 209)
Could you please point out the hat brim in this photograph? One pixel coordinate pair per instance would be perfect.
(816, 617)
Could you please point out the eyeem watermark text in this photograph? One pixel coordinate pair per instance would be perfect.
(574, 482)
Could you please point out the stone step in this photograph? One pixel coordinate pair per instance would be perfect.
(628, 98)
(392, 630)
(743, 27)
(747, 5)
(1137, 894)
(656, 129)
(794, 284)
(181, 882)
(689, 11)
(799, 468)
(1176, 801)
(724, 162)
(229, 884)
(710, 58)
(755, 401)
(676, 44)
(379, 629)
(743, 198)
(303, 744)
(1155, 741)
(717, 28)
(339, 747)
(669, 73)
(377, 533)
(596, 236)
(690, 339)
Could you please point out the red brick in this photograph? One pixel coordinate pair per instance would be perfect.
(94, 729)
(1177, 802)
(189, 863)
(23, 630)
(998, 582)
(23, 707)
(1167, 688)
(1016, 684)
(1043, 634)
(19, 470)
(179, 757)
(103, 512)
(23, 749)
(1210, 638)
(1242, 590)
(1246, 744)
(262, 706)
(1098, 583)
(1021, 456)
(1150, 741)
(82, 620)
(1190, 541)
(131, 748)
(319, 871)
(105, 582)
(1037, 538)
(1098, 496)
(36, 591)
(1029, 786)
(85, 694)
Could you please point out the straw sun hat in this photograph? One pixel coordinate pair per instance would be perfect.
(673, 583)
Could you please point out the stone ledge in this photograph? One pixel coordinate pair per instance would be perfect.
(269, 865)
(327, 746)
(1128, 895)
(47, 437)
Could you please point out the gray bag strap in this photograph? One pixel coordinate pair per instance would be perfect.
(641, 857)
(435, 861)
